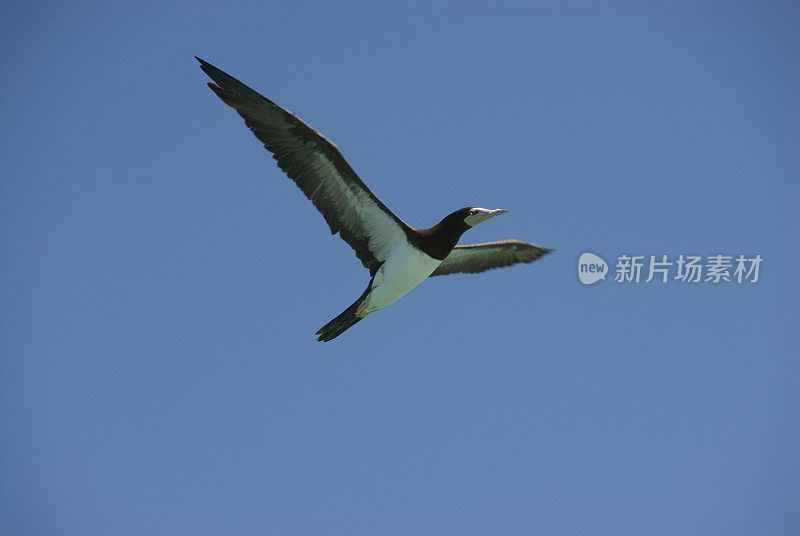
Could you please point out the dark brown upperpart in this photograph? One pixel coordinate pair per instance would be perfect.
(439, 240)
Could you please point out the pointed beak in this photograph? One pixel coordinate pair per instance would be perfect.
(483, 215)
(492, 213)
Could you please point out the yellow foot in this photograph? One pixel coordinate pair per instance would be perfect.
(361, 312)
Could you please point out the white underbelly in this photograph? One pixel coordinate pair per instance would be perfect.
(405, 268)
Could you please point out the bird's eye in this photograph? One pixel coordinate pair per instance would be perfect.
(472, 212)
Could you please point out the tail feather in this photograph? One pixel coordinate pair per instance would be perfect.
(340, 324)
(344, 321)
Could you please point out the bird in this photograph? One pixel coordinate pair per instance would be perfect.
(398, 256)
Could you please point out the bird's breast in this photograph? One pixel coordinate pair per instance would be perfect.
(405, 268)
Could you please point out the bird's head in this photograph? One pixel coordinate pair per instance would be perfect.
(463, 219)
(474, 215)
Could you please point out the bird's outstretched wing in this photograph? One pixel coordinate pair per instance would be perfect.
(473, 258)
(318, 168)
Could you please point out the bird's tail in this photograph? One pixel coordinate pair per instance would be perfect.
(344, 321)
(340, 324)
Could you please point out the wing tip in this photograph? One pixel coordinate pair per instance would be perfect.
(207, 67)
(217, 75)
(540, 252)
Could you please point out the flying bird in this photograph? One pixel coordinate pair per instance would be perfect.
(398, 256)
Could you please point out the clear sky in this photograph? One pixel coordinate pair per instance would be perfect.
(162, 279)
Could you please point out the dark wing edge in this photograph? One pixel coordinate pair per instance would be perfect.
(474, 258)
(316, 166)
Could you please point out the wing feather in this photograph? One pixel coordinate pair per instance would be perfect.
(474, 258)
(318, 168)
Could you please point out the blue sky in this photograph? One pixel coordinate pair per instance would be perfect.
(162, 280)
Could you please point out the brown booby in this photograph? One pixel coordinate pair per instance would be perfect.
(398, 257)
